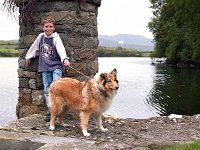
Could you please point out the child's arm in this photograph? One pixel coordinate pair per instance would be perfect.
(61, 49)
(33, 51)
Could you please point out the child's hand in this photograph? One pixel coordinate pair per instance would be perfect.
(66, 62)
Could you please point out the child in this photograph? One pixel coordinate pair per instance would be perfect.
(52, 57)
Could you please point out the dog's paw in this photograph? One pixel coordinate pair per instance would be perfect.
(85, 133)
(103, 129)
(64, 125)
(52, 127)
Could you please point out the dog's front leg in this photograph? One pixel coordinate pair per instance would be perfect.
(84, 116)
(99, 123)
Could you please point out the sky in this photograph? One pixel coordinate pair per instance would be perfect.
(114, 17)
(124, 17)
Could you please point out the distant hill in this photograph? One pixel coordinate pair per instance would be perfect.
(138, 42)
(127, 41)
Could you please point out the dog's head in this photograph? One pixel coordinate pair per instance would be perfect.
(109, 80)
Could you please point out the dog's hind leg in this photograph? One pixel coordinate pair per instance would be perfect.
(61, 116)
(99, 122)
(52, 121)
(84, 116)
(55, 110)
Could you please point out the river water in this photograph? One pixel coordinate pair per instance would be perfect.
(145, 91)
(8, 89)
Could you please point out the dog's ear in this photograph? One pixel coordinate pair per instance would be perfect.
(103, 76)
(114, 72)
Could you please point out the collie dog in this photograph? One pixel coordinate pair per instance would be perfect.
(89, 98)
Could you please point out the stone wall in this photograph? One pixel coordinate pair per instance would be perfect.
(76, 23)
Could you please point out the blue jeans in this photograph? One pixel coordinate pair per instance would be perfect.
(48, 77)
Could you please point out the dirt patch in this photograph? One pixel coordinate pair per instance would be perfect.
(140, 134)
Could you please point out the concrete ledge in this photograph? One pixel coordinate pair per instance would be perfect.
(24, 141)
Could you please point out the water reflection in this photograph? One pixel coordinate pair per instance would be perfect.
(175, 91)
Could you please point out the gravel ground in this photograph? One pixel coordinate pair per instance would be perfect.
(136, 134)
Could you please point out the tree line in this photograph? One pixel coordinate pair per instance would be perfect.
(176, 29)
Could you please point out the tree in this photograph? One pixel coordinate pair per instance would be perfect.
(175, 26)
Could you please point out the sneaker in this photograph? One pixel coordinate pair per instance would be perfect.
(48, 117)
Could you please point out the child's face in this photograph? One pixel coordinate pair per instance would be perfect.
(48, 28)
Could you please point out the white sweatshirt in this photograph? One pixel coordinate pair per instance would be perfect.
(34, 49)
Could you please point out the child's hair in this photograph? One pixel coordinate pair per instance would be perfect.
(48, 19)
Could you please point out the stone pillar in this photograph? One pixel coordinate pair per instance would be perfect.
(76, 23)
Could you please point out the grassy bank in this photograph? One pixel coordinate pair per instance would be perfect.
(189, 146)
(8, 49)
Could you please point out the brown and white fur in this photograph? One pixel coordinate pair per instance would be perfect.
(92, 97)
